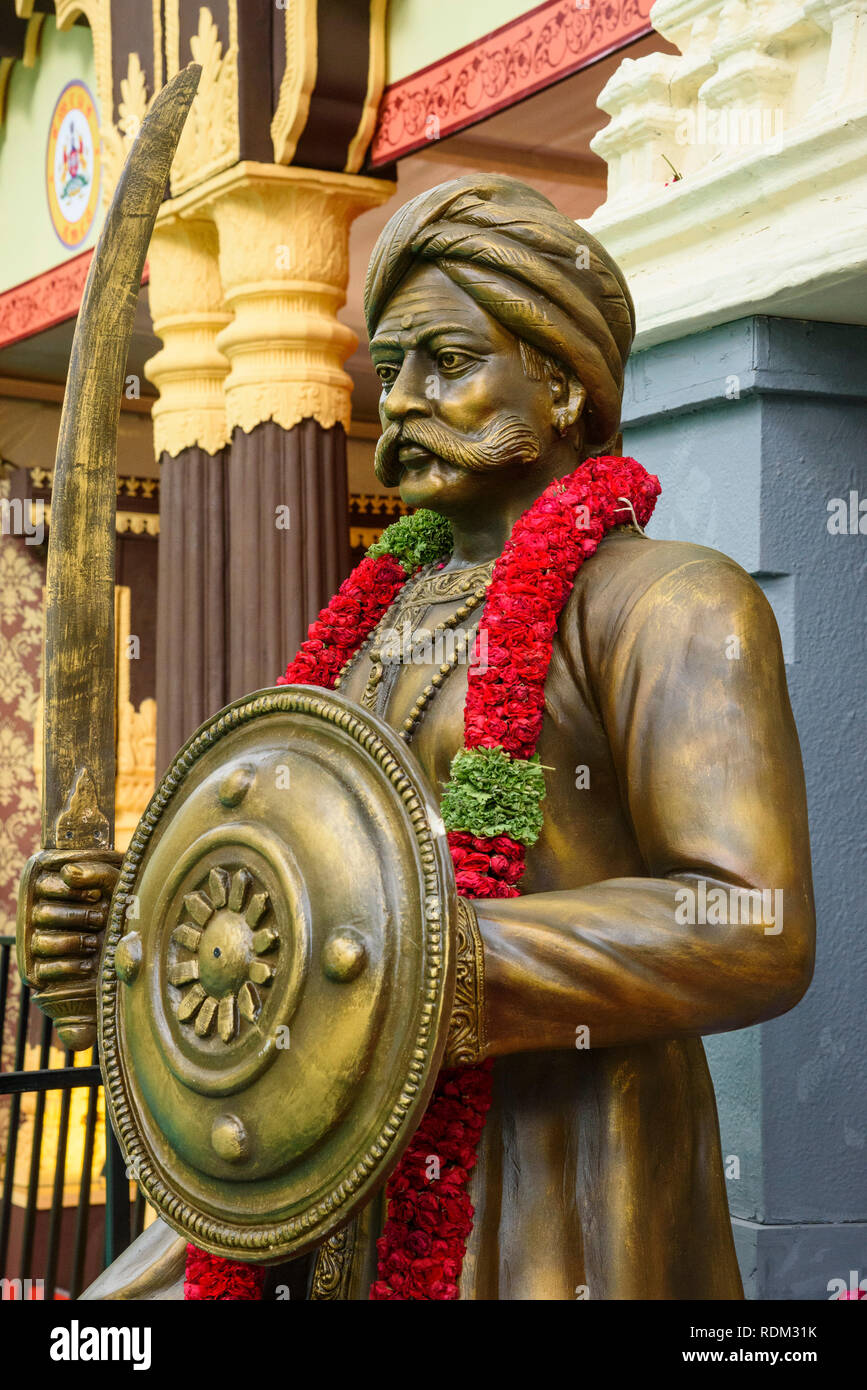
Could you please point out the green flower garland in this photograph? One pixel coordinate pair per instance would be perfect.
(490, 793)
(415, 540)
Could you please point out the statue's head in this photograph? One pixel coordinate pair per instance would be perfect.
(500, 330)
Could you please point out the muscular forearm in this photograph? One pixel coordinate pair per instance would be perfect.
(614, 959)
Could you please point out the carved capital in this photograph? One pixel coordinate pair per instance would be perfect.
(284, 263)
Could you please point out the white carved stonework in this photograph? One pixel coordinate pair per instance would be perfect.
(737, 170)
(643, 121)
(845, 22)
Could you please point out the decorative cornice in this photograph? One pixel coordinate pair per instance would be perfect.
(44, 301)
(140, 519)
(557, 38)
(126, 523)
(298, 80)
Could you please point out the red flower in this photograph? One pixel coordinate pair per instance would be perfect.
(208, 1277)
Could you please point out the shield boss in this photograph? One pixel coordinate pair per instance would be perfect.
(278, 972)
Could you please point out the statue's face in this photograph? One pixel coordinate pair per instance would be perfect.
(456, 400)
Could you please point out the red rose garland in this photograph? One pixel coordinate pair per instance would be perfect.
(429, 1212)
(207, 1277)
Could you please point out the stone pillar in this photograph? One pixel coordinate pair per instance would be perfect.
(190, 440)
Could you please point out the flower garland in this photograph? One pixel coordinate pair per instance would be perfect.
(491, 808)
(207, 1278)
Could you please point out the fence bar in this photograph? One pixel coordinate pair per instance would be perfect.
(5, 957)
(56, 1218)
(58, 1079)
(117, 1205)
(82, 1216)
(138, 1214)
(12, 1135)
(29, 1226)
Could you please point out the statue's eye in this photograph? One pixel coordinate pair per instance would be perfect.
(453, 361)
(387, 373)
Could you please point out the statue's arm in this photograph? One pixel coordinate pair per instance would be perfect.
(710, 772)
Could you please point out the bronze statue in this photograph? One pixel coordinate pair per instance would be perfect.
(669, 893)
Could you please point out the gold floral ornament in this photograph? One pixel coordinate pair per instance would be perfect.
(226, 943)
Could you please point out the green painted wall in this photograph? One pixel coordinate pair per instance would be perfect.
(420, 32)
(28, 243)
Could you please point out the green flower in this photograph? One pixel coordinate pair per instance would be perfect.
(415, 540)
(491, 793)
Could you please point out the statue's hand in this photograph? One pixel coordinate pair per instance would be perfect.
(62, 911)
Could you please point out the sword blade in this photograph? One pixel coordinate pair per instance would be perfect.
(79, 733)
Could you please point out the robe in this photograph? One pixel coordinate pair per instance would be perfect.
(672, 769)
(671, 759)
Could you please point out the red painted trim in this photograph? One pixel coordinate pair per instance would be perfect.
(46, 300)
(551, 42)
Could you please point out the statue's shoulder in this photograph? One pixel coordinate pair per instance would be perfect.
(636, 589)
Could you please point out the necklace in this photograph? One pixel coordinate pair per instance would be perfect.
(394, 638)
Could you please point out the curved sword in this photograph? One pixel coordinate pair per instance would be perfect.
(79, 733)
(79, 757)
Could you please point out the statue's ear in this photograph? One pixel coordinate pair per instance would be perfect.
(568, 398)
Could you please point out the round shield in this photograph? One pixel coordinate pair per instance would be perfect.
(278, 972)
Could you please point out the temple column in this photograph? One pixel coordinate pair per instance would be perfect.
(190, 440)
(283, 249)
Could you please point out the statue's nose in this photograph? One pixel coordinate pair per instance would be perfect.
(408, 395)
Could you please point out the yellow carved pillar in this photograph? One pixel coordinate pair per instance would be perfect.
(283, 238)
(188, 312)
(284, 263)
(190, 439)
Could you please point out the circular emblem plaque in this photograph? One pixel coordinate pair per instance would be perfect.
(277, 974)
(72, 165)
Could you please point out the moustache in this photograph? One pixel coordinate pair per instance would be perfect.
(507, 439)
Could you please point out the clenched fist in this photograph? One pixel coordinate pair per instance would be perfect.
(62, 911)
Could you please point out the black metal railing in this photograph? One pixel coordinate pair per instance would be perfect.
(47, 1254)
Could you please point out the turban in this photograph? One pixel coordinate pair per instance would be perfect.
(534, 270)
